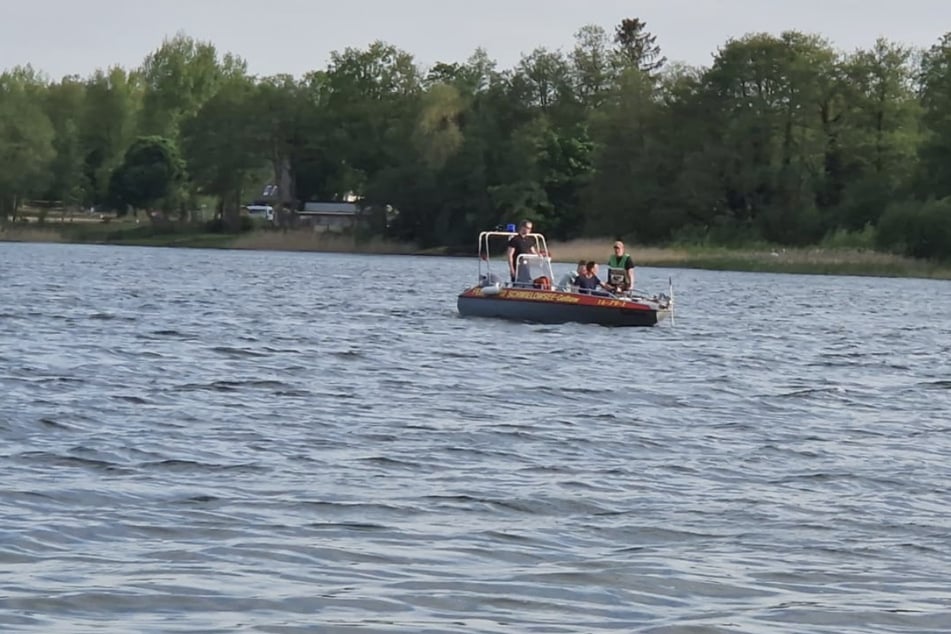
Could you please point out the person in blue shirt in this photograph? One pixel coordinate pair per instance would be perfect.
(568, 281)
(588, 282)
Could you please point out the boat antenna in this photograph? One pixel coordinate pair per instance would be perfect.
(670, 298)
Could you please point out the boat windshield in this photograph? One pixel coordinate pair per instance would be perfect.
(532, 267)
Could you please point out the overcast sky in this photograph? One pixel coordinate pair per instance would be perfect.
(61, 37)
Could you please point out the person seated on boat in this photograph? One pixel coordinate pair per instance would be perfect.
(569, 281)
(542, 283)
(620, 270)
(521, 244)
(589, 283)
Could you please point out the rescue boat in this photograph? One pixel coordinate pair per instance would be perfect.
(532, 296)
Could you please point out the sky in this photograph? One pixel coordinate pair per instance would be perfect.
(63, 37)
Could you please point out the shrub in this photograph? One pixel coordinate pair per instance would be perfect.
(845, 239)
(918, 229)
(215, 225)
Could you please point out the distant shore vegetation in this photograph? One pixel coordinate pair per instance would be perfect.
(831, 256)
(783, 145)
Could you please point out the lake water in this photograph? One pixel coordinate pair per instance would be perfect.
(215, 441)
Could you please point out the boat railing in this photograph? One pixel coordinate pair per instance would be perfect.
(485, 255)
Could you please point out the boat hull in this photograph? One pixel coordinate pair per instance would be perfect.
(556, 307)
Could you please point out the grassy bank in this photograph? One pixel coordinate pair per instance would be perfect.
(816, 260)
(129, 233)
(305, 240)
(812, 260)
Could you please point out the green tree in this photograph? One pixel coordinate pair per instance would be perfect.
(26, 139)
(565, 167)
(438, 131)
(226, 147)
(769, 92)
(150, 177)
(178, 78)
(107, 125)
(542, 79)
(371, 102)
(880, 136)
(281, 108)
(593, 66)
(64, 105)
(320, 158)
(470, 78)
(637, 47)
(686, 158)
(935, 150)
(625, 188)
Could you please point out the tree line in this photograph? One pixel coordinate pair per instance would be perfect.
(781, 138)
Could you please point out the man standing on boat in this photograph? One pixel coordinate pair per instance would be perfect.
(620, 269)
(521, 244)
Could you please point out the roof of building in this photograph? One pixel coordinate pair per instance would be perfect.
(336, 209)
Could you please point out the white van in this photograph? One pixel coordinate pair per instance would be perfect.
(258, 211)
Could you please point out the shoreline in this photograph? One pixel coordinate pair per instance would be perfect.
(805, 260)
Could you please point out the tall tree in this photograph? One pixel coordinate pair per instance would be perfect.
(543, 79)
(470, 78)
(593, 68)
(107, 125)
(438, 131)
(880, 136)
(372, 101)
(565, 170)
(637, 47)
(26, 139)
(318, 147)
(936, 103)
(280, 108)
(64, 104)
(769, 90)
(226, 147)
(179, 77)
(625, 187)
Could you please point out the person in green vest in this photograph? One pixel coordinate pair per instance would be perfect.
(620, 270)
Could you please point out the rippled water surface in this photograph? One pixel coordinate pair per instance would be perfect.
(212, 441)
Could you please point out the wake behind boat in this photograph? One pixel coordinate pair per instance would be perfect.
(532, 298)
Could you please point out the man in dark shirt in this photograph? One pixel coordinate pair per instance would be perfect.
(521, 244)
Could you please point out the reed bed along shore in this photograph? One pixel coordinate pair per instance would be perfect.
(811, 260)
(599, 250)
(311, 241)
(30, 234)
